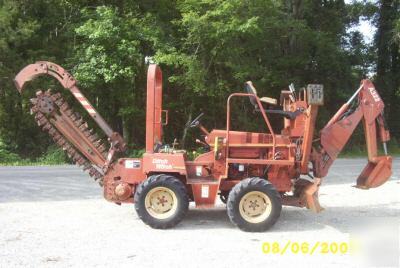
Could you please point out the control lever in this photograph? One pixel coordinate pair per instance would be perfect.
(207, 146)
(292, 97)
(195, 122)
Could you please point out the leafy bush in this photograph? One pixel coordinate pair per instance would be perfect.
(135, 153)
(53, 156)
(6, 156)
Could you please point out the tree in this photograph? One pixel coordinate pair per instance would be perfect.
(388, 61)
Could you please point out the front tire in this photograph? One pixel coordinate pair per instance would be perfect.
(254, 205)
(223, 196)
(161, 201)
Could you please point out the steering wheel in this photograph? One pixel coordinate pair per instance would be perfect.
(195, 122)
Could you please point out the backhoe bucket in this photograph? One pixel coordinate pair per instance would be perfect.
(375, 174)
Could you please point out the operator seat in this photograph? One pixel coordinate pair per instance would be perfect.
(252, 90)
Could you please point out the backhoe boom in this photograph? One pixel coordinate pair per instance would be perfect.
(339, 129)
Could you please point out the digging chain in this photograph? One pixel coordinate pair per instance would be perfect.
(42, 109)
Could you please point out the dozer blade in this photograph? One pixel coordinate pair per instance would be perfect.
(375, 174)
(310, 196)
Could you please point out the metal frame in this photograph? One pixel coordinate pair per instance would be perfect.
(39, 68)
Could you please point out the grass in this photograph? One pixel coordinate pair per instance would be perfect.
(361, 151)
(55, 156)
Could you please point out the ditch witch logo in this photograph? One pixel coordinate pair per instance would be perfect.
(161, 163)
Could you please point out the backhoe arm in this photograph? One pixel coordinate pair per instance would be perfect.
(339, 129)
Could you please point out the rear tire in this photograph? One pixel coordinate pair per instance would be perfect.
(254, 205)
(161, 201)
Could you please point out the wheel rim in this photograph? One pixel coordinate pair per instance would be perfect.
(161, 202)
(255, 207)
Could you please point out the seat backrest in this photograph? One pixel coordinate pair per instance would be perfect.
(251, 90)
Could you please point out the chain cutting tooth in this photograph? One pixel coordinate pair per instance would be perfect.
(88, 132)
(93, 137)
(101, 148)
(61, 142)
(42, 121)
(47, 125)
(59, 102)
(48, 92)
(55, 97)
(78, 122)
(39, 93)
(34, 109)
(86, 166)
(92, 171)
(39, 115)
(83, 127)
(97, 143)
(73, 117)
(68, 112)
(71, 151)
(57, 137)
(66, 147)
(64, 106)
(33, 101)
(52, 131)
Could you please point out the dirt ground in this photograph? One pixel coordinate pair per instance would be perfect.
(56, 217)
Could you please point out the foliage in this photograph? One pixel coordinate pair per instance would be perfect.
(53, 156)
(207, 50)
(6, 156)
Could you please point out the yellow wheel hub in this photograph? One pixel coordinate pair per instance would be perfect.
(161, 202)
(255, 207)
